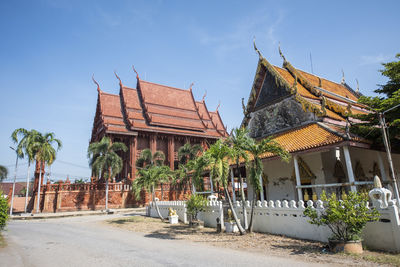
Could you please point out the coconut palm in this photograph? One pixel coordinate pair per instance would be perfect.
(26, 148)
(239, 140)
(104, 159)
(3, 173)
(218, 156)
(147, 158)
(186, 156)
(149, 178)
(256, 149)
(44, 153)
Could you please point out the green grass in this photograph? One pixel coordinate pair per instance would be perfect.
(382, 258)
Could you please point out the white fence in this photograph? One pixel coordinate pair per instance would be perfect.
(286, 218)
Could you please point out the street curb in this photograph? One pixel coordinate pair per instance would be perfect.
(75, 214)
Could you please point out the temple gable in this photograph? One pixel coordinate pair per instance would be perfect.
(277, 117)
(271, 91)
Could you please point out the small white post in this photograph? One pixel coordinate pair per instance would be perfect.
(298, 179)
(233, 186)
(349, 168)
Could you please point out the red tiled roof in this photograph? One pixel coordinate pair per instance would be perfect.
(158, 108)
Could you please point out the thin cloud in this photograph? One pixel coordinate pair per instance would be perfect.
(371, 60)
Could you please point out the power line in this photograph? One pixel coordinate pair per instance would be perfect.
(72, 164)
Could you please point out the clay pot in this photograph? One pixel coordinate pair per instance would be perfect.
(354, 247)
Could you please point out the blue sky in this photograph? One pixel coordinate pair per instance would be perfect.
(50, 49)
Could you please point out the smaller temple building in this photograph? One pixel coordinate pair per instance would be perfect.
(310, 117)
(154, 116)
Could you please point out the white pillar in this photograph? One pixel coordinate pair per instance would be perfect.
(298, 179)
(233, 186)
(262, 189)
(349, 168)
(381, 167)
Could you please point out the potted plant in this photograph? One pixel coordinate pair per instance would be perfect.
(195, 204)
(346, 219)
(230, 225)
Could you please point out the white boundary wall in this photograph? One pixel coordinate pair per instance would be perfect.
(286, 218)
(179, 206)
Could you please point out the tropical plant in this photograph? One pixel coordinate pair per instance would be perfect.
(79, 181)
(45, 153)
(217, 160)
(256, 149)
(104, 160)
(149, 178)
(346, 218)
(239, 140)
(195, 204)
(25, 147)
(186, 156)
(3, 173)
(3, 211)
(390, 102)
(147, 158)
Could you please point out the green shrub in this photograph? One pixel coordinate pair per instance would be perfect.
(3, 211)
(346, 218)
(195, 204)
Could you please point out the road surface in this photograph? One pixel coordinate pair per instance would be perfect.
(82, 241)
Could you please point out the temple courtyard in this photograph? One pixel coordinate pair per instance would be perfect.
(134, 240)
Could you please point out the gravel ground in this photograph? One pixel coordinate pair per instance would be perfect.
(266, 244)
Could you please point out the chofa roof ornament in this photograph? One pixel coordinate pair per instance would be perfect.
(343, 81)
(116, 75)
(255, 48)
(280, 52)
(137, 74)
(95, 82)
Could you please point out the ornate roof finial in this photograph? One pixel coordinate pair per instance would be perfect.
(280, 52)
(204, 96)
(190, 87)
(343, 81)
(120, 83)
(358, 87)
(319, 82)
(255, 48)
(98, 86)
(219, 104)
(137, 74)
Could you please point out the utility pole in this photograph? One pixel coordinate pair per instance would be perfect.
(15, 178)
(389, 155)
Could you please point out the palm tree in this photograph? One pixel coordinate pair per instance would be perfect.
(147, 158)
(218, 162)
(3, 173)
(149, 178)
(25, 147)
(103, 158)
(239, 140)
(44, 153)
(186, 156)
(256, 149)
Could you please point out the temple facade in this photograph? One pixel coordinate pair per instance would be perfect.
(154, 116)
(310, 117)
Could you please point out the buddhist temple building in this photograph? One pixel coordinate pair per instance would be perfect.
(310, 117)
(154, 116)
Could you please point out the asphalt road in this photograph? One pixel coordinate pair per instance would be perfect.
(81, 241)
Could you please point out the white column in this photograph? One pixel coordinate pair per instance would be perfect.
(381, 167)
(233, 186)
(262, 189)
(298, 179)
(349, 168)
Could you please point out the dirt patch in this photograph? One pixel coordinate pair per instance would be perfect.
(275, 245)
(2, 241)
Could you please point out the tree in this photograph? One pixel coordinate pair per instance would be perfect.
(3, 173)
(149, 178)
(147, 158)
(26, 148)
(103, 159)
(218, 156)
(44, 153)
(256, 149)
(3, 211)
(239, 140)
(379, 104)
(186, 156)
